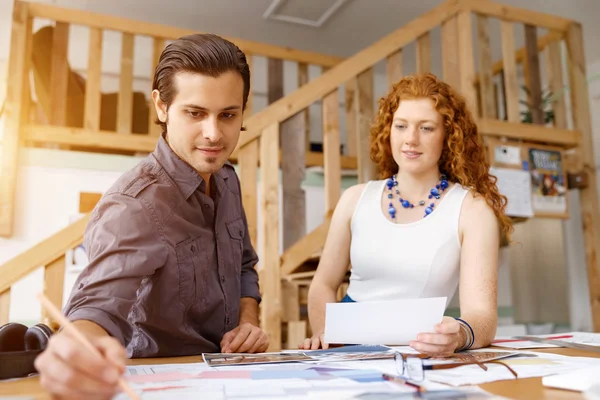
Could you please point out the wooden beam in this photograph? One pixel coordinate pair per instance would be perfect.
(450, 66)
(555, 78)
(54, 279)
(134, 27)
(516, 14)
(590, 213)
(274, 80)
(42, 253)
(345, 71)
(16, 109)
(303, 80)
(125, 107)
(269, 232)
(59, 74)
(88, 201)
(530, 132)
(158, 45)
(424, 53)
(248, 168)
(93, 81)
(484, 57)
(304, 249)
(466, 61)
(509, 63)
(351, 117)
(250, 102)
(534, 74)
(331, 150)
(393, 68)
(367, 170)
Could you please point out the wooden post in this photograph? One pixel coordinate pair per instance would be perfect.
(590, 214)
(509, 63)
(393, 68)
(331, 150)
(54, 278)
(423, 54)
(466, 60)
(367, 170)
(484, 53)
(16, 111)
(269, 232)
(450, 67)
(351, 117)
(535, 80)
(555, 77)
(93, 80)
(125, 110)
(59, 74)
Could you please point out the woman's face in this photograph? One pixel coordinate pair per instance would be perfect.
(417, 136)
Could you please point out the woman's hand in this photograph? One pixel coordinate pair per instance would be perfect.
(443, 342)
(314, 343)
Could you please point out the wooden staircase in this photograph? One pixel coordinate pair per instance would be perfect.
(285, 277)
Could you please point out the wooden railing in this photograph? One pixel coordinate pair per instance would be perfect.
(283, 123)
(120, 122)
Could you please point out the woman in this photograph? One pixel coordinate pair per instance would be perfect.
(435, 218)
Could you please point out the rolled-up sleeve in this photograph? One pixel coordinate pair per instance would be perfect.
(124, 249)
(249, 278)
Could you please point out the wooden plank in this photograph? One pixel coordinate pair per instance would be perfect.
(289, 300)
(590, 214)
(125, 110)
(516, 14)
(248, 169)
(42, 253)
(16, 109)
(346, 70)
(269, 232)
(293, 165)
(303, 80)
(158, 45)
(367, 170)
(351, 116)
(93, 81)
(250, 102)
(303, 250)
(59, 74)
(54, 279)
(88, 201)
(509, 64)
(534, 73)
(555, 79)
(128, 25)
(529, 132)
(314, 159)
(484, 56)
(450, 67)
(4, 307)
(465, 61)
(331, 151)
(424, 53)
(393, 68)
(296, 333)
(274, 80)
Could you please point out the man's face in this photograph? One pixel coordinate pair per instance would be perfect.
(204, 119)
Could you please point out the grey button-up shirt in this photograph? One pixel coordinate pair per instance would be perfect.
(168, 263)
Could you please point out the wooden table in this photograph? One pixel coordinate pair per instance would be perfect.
(530, 388)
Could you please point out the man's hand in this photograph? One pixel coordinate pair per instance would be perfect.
(443, 342)
(246, 338)
(70, 371)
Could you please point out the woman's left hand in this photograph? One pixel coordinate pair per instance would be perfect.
(443, 342)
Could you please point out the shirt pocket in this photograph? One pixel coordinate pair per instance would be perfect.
(190, 255)
(237, 232)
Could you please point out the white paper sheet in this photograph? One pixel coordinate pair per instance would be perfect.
(516, 186)
(579, 380)
(510, 155)
(393, 323)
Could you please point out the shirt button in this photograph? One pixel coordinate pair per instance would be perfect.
(206, 206)
(222, 278)
(193, 249)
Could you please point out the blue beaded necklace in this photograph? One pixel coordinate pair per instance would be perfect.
(433, 193)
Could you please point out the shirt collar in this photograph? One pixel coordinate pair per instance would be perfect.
(185, 177)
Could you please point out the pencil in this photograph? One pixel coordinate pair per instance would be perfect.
(73, 331)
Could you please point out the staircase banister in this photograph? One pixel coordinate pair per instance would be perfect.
(42, 253)
(317, 88)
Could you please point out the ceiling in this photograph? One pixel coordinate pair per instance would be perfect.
(355, 25)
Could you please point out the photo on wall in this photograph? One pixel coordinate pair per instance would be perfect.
(548, 181)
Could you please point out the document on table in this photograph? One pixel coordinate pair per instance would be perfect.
(393, 323)
(587, 338)
(579, 380)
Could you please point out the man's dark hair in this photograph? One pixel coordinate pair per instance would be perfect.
(200, 53)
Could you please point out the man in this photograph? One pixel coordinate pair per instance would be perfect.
(171, 269)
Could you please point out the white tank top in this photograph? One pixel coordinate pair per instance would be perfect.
(399, 261)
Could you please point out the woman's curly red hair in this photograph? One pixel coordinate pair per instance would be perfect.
(463, 158)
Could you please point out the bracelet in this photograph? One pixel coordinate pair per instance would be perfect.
(470, 334)
(464, 329)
